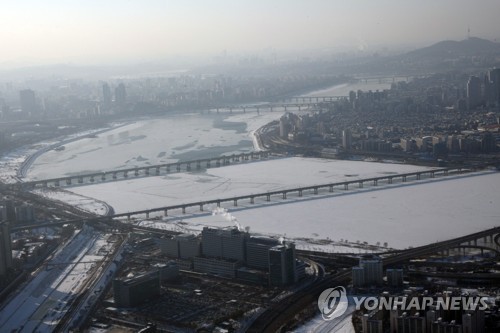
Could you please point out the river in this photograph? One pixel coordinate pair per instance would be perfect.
(166, 139)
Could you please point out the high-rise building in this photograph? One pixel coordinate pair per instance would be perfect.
(224, 243)
(216, 266)
(134, 291)
(184, 246)
(282, 269)
(494, 89)
(211, 242)
(257, 251)
(25, 213)
(106, 97)
(372, 267)
(346, 139)
(394, 277)
(189, 246)
(5, 248)
(28, 101)
(358, 277)
(488, 143)
(120, 95)
(169, 246)
(473, 322)
(474, 98)
(372, 322)
(10, 211)
(407, 324)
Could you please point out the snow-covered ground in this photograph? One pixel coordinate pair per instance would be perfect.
(317, 324)
(242, 179)
(16, 163)
(147, 142)
(43, 302)
(91, 205)
(415, 214)
(403, 215)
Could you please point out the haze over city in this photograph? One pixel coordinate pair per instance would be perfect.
(250, 166)
(116, 32)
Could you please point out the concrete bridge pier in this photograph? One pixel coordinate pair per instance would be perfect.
(198, 165)
(183, 209)
(315, 190)
(218, 204)
(103, 177)
(217, 163)
(330, 189)
(235, 203)
(125, 174)
(168, 168)
(432, 174)
(188, 166)
(375, 182)
(178, 167)
(56, 183)
(147, 215)
(146, 171)
(114, 175)
(446, 172)
(404, 179)
(80, 180)
(268, 197)
(418, 176)
(346, 187)
(208, 163)
(136, 172)
(300, 193)
(91, 179)
(284, 195)
(68, 181)
(201, 207)
(165, 212)
(389, 180)
(252, 201)
(157, 171)
(360, 184)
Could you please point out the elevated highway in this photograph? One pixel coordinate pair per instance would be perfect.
(277, 315)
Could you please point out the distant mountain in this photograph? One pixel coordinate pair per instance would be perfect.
(469, 54)
(453, 49)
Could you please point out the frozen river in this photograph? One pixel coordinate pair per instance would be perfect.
(167, 139)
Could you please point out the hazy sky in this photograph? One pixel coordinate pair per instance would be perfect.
(91, 31)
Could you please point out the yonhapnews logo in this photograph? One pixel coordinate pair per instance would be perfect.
(333, 303)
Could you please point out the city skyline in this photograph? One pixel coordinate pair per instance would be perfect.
(114, 32)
